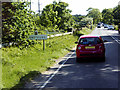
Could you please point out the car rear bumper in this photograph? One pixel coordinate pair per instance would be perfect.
(89, 54)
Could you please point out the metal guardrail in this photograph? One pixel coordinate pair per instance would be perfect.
(39, 38)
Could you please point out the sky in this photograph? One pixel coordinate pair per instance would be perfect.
(78, 6)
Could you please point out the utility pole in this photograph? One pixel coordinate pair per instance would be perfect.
(30, 4)
(118, 19)
(39, 7)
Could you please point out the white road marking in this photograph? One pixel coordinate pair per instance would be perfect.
(62, 66)
(55, 72)
(115, 40)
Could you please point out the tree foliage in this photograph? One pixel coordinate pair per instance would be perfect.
(77, 21)
(18, 23)
(87, 21)
(95, 14)
(78, 18)
(56, 16)
(82, 21)
(116, 14)
(107, 15)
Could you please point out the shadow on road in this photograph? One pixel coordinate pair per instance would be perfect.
(90, 73)
(24, 79)
(86, 74)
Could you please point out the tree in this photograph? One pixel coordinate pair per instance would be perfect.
(87, 21)
(116, 14)
(107, 15)
(56, 16)
(78, 18)
(17, 22)
(77, 21)
(95, 14)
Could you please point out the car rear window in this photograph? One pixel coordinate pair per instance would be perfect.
(90, 40)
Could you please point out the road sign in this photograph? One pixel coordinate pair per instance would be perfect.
(38, 37)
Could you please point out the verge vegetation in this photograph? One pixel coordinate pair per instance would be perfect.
(25, 58)
(19, 66)
(17, 63)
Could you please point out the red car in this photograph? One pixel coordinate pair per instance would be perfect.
(89, 47)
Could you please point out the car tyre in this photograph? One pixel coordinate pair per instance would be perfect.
(103, 59)
(77, 59)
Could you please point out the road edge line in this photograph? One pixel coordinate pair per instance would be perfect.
(46, 82)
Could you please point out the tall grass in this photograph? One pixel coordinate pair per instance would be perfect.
(17, 63)
(84, 31)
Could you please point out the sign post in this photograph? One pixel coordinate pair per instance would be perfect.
(39, 37)
(43, 44)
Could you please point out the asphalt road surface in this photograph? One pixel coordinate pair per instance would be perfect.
(88, 74)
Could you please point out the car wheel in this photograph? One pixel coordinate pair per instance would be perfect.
(77, 59)
(103, 59)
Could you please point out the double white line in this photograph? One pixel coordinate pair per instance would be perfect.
(115, 40)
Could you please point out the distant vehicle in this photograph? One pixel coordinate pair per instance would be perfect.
(99, 25)
(110, 27)
(103, 24)
(89, 47)
(106, 26)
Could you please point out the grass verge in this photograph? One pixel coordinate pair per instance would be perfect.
(85, 31)
(18, 63)
(19, 66)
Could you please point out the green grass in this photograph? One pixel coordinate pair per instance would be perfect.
(0, 70)
(19, 66)
(116, 27)
(86, 31)
(17, 63)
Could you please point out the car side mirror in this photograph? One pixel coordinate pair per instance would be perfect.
(76, 42)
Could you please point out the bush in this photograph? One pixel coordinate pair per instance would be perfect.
(18, 24)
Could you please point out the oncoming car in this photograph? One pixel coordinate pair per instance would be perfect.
(110, 27)
(90, 47)
(106, 26)
(99, 25)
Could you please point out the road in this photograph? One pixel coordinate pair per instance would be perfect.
(89, 74)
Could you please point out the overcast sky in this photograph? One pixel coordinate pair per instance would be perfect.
(78, 6)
